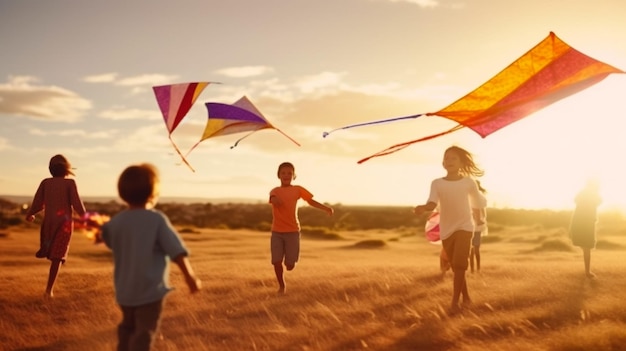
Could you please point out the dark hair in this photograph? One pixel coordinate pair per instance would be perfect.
(286, 165)
(138, 184)
(59, 166)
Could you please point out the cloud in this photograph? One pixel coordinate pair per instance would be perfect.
(148, 138)
(420, 3)
(22, 96)
(132, 81)
(147, 79)
(73, 133)
(119, 113)
(4, 144)
(101, 78)
(244, 71)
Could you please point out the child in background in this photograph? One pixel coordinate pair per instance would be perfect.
(58, 197)
(285, 240)
(480, 229)
(143, 242)
(456, 194)
(583, 223)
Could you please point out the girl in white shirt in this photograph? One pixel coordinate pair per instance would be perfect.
(456, 194)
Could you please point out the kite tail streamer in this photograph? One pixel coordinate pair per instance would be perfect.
(243, 137)
(325, 134)
(180, 154)
(401, 146)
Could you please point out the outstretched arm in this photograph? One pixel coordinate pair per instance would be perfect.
(420, 209)
(193, 283)
(321, 206)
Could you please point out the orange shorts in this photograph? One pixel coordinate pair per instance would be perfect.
(457, 248)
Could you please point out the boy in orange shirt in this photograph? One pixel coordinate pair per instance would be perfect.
(285, 241)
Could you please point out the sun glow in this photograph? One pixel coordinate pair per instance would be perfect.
(543, 160)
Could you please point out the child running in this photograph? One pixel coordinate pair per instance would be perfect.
(456, 194)
(480, 230)
(583, 223)
(143, 242)
(285, 240)
(58, 197)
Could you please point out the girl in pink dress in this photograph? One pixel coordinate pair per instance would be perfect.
(58, 198)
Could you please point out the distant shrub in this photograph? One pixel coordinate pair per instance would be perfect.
(555, 245)
(189, 231)
(495, 227)
(491, 239)
(264, 226)
(319, 234)
(370, 244)
(8, 221)
(607, 245)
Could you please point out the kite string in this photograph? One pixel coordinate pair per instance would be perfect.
(398, 147)
(325, 134)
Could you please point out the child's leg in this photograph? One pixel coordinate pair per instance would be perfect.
(126, 328)
(587, 259)
(280, 277)
(277, 246)
(292, 250)
(476, 252)
(458, 248)
(146, 323)
(471, 259)
(444, 263)
(52, 276)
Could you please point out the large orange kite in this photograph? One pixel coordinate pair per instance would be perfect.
(549, 72)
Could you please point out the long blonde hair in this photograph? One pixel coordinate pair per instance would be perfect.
(468, 166)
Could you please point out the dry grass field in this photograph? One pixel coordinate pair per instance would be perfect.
(367, 290)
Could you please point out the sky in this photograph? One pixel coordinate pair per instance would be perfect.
(76, 78)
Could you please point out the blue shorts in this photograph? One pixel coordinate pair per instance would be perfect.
(285, 246)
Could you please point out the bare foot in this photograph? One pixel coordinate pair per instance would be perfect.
(281, 290)
(590, 275)
(48, 295)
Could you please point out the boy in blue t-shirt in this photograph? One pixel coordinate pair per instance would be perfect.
(143, 242)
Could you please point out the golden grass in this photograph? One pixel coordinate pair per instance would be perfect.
(371, 290)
